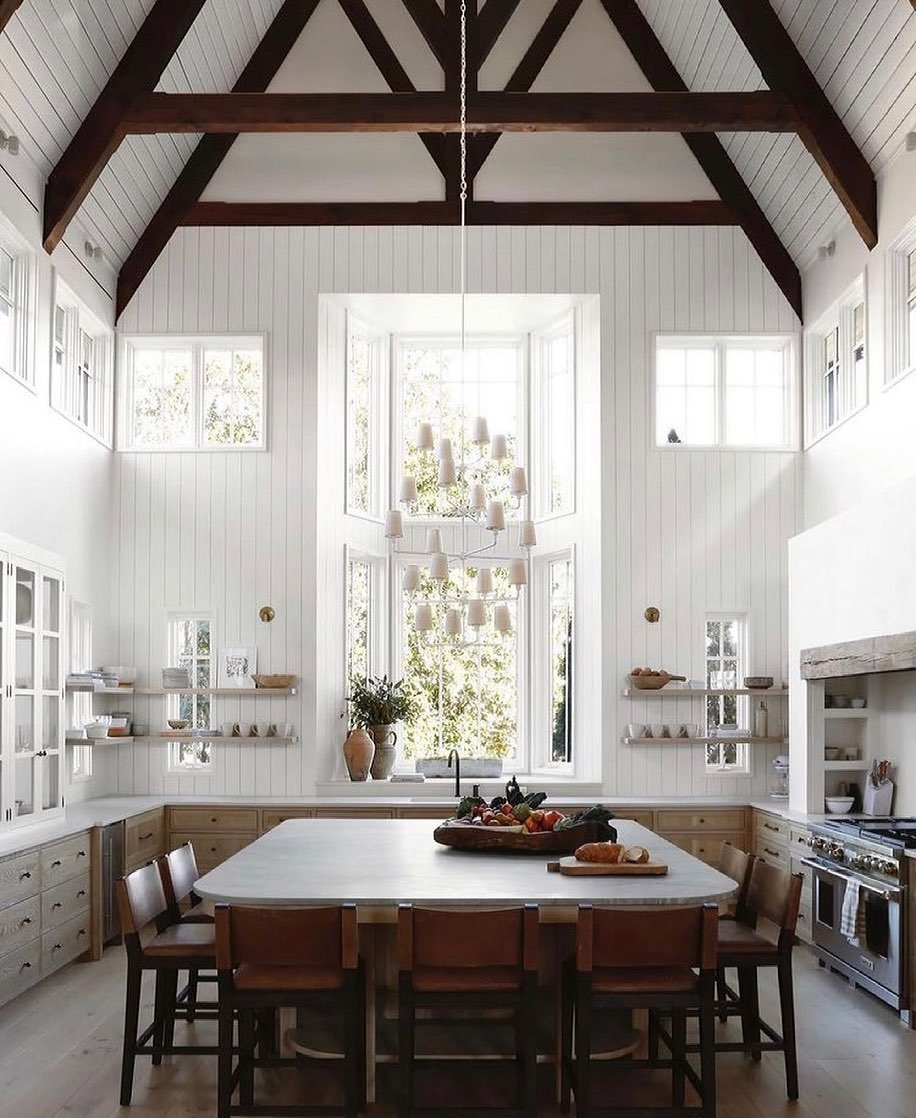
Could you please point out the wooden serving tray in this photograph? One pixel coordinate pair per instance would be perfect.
(474, 836)
(572, 867)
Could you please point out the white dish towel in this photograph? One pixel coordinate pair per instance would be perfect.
(852, 918)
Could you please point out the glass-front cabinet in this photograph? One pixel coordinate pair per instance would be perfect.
(31, 685)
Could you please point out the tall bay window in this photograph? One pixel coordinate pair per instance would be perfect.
(726, 712)
(191, 646)
(836, 372)
(81, 366)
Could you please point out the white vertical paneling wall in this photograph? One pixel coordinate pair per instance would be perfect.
(687, 531)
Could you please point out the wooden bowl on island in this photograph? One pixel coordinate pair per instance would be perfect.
(274, 682)
(654, 681)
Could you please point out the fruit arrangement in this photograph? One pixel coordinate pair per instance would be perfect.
(526, 814)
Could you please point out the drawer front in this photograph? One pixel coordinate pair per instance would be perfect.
(19, 924)
(773, 853)
(64, 902)
(64, 860)
(19, 970)
(706, 847)
(439, 813)
(713, 819)
(799, 841)
(803, 928)
(354, 813)
(20, 877)
(212, 849)
(771, 827)
(64, 944)
(212, 818)
(646, 818)
(144, 838)
(272, 816)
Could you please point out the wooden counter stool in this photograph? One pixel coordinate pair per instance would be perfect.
(454, 959)
(270, 958)
(773, 896)
(645, 958)
(179, 873)
(737, 865)
(173, 948)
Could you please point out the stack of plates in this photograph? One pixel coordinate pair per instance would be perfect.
(175, 677)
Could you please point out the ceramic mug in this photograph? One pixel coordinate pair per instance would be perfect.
(259, 729)
(659, 731)
(242, 730)
(636, 730)
(691, 729)
(229, 729)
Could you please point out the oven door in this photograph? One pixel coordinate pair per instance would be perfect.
(878, 956)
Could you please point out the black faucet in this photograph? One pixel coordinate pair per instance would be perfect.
(454, 753)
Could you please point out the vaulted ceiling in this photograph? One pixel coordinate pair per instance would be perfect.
(56, 57)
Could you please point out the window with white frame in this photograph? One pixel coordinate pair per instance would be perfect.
(365, 398)
(836, 371)
(80, 701)
(731, 391)
(561, 573)
(191, 646)
(553, 418)
(16, 299)
(202, 393)
(910, 312)
(81, 366)
(726, 712)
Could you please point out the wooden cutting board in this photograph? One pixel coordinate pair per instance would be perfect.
(571, 867)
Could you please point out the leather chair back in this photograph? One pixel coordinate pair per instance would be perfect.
(286, 937)
(179, 873)
(141, 899)
(646, 937)
(737, 865)
(775, 896)
(453, 939)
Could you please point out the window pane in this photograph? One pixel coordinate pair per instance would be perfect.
(685, 405)
(7, 265)
(190, 641)
(559, 428)
(6, 335)
(479, 692)
(232, 397)
(725, 670)
(359, 388)
(756, 394)
(561, 659)
(911, 274)
(162, 398)
(432, 390)
(358, 586)
(911, 333)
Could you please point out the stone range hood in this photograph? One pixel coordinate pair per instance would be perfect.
(895, 653)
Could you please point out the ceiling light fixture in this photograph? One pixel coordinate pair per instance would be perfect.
(911, 141)
(94, 252)
(826, 251)
(9, 142)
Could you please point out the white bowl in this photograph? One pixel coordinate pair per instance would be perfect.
(839, 805)
(96, 733)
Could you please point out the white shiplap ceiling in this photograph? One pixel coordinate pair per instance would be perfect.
(56, 55)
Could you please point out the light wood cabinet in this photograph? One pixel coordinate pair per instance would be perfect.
(707, 846)
(211, 848)
(213, 818)
(144, 838)
(273, 816)
(65, 943)
(64, 860)
(354, 813)
(783, 844)
(65, 902)
(703, 819)
(19, 923)
(20, 877)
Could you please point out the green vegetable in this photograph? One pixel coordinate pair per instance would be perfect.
(521, 811)
(497, 802)
(467, 805)
(535, 799)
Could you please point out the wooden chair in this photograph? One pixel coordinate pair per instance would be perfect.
(737, 865)
(660, 959)
(172, 948)
(773, 896)
(179, 874)
(270, 958)
(485, 959)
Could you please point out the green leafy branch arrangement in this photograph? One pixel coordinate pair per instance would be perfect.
(380, 702)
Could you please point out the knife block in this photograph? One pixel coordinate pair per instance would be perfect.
(877, 801)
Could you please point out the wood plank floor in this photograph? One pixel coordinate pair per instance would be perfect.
(60, 1054)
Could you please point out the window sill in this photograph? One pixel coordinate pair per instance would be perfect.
(898, 377)
(436, 789)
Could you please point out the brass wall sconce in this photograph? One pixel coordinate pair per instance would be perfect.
(267, 614)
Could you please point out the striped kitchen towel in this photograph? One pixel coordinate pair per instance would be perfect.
(852, 918)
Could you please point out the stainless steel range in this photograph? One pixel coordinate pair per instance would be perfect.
(870, 852)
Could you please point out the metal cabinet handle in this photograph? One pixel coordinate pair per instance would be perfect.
(55, 863)
(771, 826)
(81, 932)
(25, 920)
(213, 819)
(56, 947)
(143, 838)
(26, 966)
(25, 876)
(772, 853)
(81, 854)
(56, 904)
(81, 893)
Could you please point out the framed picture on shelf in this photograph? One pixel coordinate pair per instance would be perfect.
(237, 666)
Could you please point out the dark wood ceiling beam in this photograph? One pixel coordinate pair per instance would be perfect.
(525, 73)
(389, 66)
(447, 213)
(491, 22)
(826, 137)
(487, 112)
(712, 157)
(286, 27)
(428, 17)
(7, 8)
(102, 130)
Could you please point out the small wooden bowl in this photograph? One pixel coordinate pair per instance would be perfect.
(654, 682)
(274, 681)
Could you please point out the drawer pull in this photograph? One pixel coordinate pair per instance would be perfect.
(81, 854)
(57, 947)
(212, 849)
(144, 838)
(81, 932)
(57, 904)
(772, 853)
(26, 966)
(81, 893)
(25, 877)
(213, 819)
(56, 862)
(771, 826)
(25, 920)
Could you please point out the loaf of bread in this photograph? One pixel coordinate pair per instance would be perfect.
(608, 853)
(636, 854)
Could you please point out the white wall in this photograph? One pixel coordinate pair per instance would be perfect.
(876, 446)
(55, 480)
(688, 531)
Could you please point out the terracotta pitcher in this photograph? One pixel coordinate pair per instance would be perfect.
(358, 751)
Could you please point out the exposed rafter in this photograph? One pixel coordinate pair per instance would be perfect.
(712, 157)
(427, 15)
(196, 174)
(7, 8)
(826, 137)
(101, 132)
(487, 112)
(447, 213)
(491, 22)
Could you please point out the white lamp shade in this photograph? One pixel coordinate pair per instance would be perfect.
(477, 613)
(484, 581)
(425, 440)
(438, 566)
(480, 431)
(423, 617)
(527, 534)
(518, 572)
(502, 619)
(410, 580)
(447, 475)
(445, 449)
(433, 541)
(499, 447)
(518, 482)
(454, 622)
(496, 516)
(408, 492)
(394, 525)
(477, 497)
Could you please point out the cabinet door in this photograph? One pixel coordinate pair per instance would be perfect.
(5, 704)
(50, 753)
(26, 690)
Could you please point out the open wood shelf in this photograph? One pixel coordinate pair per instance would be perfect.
(86, 689)
(239, 692)
(172, 735)
(681, 692)
(846, 766)
(722, 739)
(846, 712)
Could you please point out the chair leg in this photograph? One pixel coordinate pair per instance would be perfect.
(750, 1011)
(267, 1033)
(405, 1047)
(224, 1064)
(583, 1046)
(353, 1022)
(192, 994)
(708, 1052)
(722, 994)
(169, 997)
(567, 1001)
(529, 1024)
(652, 1038)
(519, 1023)
(246, 1057)
(787, 1010)
(160, 1009)
(678, 1055)
(131, 1022)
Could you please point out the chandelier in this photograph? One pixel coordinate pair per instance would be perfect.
(472, 506)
